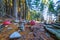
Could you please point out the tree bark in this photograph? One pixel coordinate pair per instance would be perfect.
(15, 9)
(1, 8)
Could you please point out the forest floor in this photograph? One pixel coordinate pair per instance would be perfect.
(36, 32)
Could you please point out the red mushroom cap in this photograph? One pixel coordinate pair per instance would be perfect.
(32, 22)
(7, 22)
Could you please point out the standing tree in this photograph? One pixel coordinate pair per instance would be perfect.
(58, 11)
(15, 10)
(51, 7)
(2, 7)
(36, 5)
(51, 10)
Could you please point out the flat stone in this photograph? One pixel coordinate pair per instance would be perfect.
(15, 35)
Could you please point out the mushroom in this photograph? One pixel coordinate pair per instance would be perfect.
(32, 22)
(6, 23)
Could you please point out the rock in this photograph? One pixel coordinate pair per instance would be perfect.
(15, 35)
(1, 21)
(9, 28)
(17, 21)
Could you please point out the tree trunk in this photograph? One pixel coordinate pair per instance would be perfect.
(26, 9)
(15, 9)
(1, 8)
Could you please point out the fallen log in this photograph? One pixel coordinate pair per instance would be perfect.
(54, 31)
